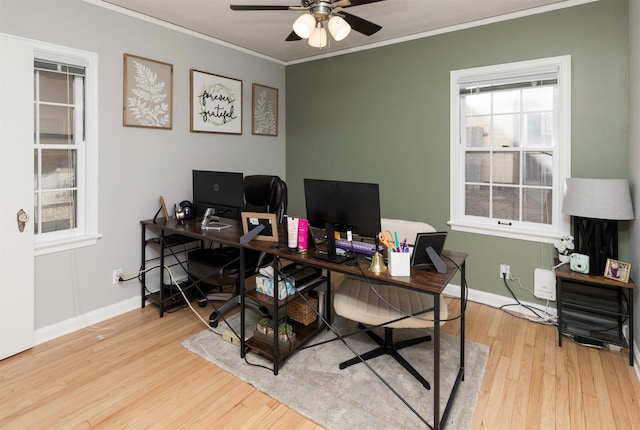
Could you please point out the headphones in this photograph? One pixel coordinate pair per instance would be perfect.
(184, 211)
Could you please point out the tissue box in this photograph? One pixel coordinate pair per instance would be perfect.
(264, 285)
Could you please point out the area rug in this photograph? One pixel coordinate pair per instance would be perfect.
(311, 383)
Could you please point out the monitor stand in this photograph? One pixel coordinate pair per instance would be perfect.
(331, 254)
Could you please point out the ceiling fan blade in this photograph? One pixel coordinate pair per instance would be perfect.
(292, 37)
(360, 25)
(259, 7)
(349, 3)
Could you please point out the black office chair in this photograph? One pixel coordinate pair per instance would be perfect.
(220, 267)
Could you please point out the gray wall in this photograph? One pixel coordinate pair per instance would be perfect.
(383, 116)
(138, 165)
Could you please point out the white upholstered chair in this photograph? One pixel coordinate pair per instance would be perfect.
(355, 299)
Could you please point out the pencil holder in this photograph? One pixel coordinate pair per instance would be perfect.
(399, 263)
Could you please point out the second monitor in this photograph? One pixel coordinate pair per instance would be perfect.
(222, 191)
(342, 206)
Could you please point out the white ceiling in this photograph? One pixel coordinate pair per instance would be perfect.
(263, 32)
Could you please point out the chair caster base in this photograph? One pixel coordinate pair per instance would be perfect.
(213, 319)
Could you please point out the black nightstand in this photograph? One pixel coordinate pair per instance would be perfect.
(594, 308)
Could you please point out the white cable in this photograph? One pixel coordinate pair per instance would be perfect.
(187, 301)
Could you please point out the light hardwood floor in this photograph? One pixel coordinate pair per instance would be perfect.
(139, 376)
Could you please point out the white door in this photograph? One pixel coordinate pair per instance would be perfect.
(16, 192)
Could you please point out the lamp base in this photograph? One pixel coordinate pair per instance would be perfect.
(598, 239)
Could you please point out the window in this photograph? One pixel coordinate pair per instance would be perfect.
(65, 150)
(510, 148)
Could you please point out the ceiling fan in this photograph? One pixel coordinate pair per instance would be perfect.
(311, 24)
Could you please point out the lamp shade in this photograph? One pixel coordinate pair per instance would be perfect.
(304, 25)
(606, 199)
(338, 28)
(318, 38)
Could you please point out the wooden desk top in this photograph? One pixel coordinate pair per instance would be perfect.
(425, 279)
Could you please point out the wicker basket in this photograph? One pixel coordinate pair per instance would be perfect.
(299, 311)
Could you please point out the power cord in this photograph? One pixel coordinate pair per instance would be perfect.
(183, 294)
(545, 319)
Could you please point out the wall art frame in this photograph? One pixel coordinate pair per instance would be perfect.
(216, 103)
(617, 270)
(264, 110)
(147, 93)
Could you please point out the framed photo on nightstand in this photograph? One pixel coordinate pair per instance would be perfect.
(618, 270)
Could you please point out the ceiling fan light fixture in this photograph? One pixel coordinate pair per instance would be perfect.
(304, 25)
(318, 38)
(339, 28)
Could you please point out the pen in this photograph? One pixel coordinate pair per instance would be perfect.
(395, 234)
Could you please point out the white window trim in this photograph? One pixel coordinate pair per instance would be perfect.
(87, 234)
(562, 153)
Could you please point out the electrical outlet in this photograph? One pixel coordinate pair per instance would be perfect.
(505, 269)
(115, 276)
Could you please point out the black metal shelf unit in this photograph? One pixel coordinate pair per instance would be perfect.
(168, 295)
(595, 309)
(303, 333)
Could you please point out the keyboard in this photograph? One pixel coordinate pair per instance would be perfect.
(357, 246)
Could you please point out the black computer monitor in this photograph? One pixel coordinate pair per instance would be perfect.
(222, 191)
(342, 206)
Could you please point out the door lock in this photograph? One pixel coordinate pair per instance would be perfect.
(23, 217)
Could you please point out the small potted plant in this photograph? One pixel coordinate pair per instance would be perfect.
(285, 332)
(565, 248)
(264, 326)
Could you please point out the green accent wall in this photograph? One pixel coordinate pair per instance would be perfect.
(382, 116)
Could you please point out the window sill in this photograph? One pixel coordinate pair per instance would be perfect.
(504, 232)
(44, 248)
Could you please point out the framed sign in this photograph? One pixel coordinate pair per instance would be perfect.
(264, 110)
(148, 93)
(251, 220)
(618, 270)
(216, 103)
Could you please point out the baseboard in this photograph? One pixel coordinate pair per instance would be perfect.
(88, 319)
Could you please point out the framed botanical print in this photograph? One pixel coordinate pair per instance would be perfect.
(216, 103)
(264, 110)
(148, 93)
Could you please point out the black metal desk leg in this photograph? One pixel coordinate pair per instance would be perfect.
(328, 304)
(242, 302)
(436, 362)
(276, 317)
(143, 275)
(161, 294)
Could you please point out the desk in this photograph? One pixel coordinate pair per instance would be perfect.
(422, 279)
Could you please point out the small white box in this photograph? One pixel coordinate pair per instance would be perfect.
(399, 263)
